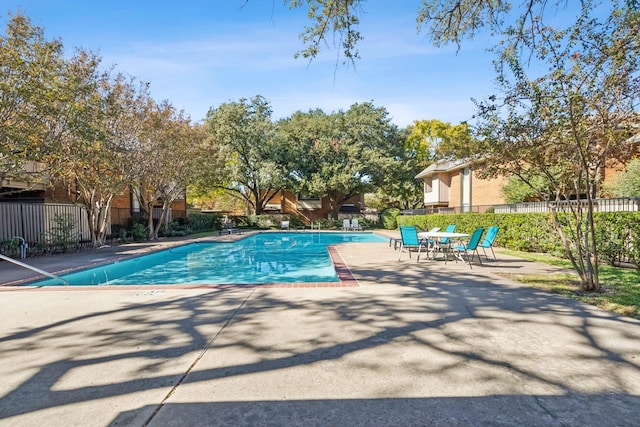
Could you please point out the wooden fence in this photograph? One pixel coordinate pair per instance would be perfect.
(36, 222)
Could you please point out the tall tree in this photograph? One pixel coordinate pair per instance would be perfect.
(163, 158)
(95, 159)
(244, 147)
(565, 123)
(344, 153)
(400, 189)
(31, 86)
(432, 140)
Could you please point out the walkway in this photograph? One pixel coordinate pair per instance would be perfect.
(414, 344)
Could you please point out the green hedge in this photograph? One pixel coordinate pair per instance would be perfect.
(197, 222)
(618, 236)
(389, 218)
(618, 233)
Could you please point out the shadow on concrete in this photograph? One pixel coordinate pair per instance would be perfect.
(569, 410)
(461, 319)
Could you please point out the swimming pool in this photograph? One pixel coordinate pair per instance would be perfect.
(261, 258)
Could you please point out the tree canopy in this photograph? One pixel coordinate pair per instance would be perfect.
(627, 183)
(251, 160)
(65, 121)
(30, 89)
(442, 22)
(341, 154)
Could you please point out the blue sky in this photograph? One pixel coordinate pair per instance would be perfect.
(201, 53)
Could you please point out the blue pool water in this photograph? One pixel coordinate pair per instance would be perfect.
(261, 258)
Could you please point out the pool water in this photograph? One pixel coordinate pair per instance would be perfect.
(262, 258)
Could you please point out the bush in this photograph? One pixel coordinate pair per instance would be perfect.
(389, 218)
(62, 234)
(176, 228)
(296, 221)
(617, 235)
(263, 221)
(9, 247)
(139, 232)
(530, 232)
(198, 222)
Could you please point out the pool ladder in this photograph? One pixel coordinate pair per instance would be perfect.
(23, 248)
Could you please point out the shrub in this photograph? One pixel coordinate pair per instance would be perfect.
(176, 228)
(62, 233)
(296, 221)
(197, 222)
(139, 232)
(9, 247)
(389, 218)
(256, 221)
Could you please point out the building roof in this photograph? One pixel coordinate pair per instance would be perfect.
(442, 166)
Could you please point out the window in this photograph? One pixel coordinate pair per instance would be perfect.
(428, 184)
(304, 196)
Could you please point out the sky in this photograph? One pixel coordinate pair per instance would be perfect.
(198, 54)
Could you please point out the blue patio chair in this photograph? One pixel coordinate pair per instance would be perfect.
(397, 240)
(462, 250)
(443, 245)
(450, 229)
(488, 241)
(409, 239)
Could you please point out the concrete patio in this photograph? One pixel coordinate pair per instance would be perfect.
(415, 344)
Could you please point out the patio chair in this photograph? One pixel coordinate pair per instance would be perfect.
(443, 245)
(229, 228)
(409, 239)
(488, 241)
(462, 250)
(284, 225)
(395, 241)
(346, 224)
(355, 225)
(428, 242)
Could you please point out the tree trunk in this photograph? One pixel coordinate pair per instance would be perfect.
(164, 217)
(150, 224)
(99, 216)
(333, 204)
(582, 257)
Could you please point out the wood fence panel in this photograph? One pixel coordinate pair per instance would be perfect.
(33, 226)
(10, 220)
(35, 222)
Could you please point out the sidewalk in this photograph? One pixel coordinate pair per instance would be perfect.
(414, 344)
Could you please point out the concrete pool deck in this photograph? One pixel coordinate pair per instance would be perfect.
(414, 344)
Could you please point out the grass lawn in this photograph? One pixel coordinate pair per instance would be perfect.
(620, 286)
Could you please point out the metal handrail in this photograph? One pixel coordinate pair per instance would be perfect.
(37, 270)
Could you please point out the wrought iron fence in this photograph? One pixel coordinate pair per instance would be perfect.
(623, 204)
